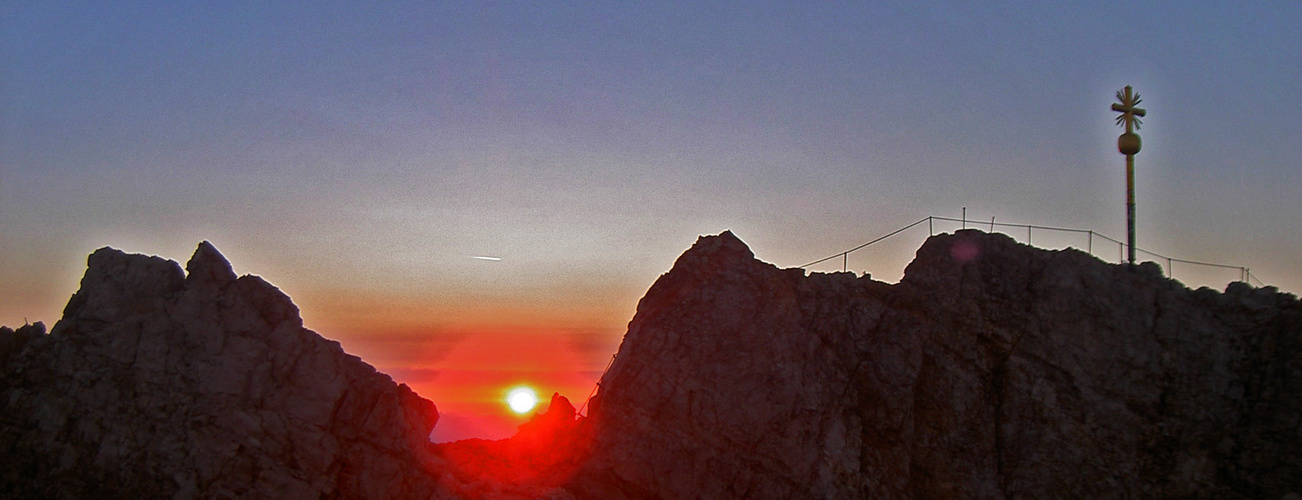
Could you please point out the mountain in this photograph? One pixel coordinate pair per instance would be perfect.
(162, 383)
(992, 370)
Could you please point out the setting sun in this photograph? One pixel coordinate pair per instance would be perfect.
(521, 399)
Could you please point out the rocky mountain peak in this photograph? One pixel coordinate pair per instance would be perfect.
(160, 385)
(714, 254)
(993, 370)
(208, 267)
(115, 283)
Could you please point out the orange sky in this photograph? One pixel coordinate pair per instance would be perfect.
(359, 157)
(465, 358)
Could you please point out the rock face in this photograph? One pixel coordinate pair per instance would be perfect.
(159, 383)
(992, 370)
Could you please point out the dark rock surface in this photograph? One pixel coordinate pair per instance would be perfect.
(544, 454)
(992, 370)
(161, 384)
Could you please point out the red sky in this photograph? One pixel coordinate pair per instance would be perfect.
(358, 157)
(465, 358)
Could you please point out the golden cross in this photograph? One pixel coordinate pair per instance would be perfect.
(1129, 113)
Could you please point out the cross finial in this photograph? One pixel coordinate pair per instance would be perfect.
(1129, 113)
(1128, 144)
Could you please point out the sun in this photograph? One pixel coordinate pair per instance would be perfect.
(521, 400)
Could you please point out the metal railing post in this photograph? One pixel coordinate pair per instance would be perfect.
(1245, 273)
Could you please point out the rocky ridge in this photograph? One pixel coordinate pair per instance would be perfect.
(163, 383)
(992, 370)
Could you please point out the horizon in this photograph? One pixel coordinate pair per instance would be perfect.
(474, 378)
(373, 162)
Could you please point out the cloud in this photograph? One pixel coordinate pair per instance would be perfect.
(403, 350)
(594, 346)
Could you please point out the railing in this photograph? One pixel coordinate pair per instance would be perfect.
(1245, 274)
(584, 408)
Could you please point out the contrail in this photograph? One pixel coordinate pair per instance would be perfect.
(481, 257)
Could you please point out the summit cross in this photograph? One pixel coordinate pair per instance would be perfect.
(1128, 144)
(1129, 113)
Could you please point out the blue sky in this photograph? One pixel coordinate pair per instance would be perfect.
(368, 151)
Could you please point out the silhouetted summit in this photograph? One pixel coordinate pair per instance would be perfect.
(992, 370)
(159, 384)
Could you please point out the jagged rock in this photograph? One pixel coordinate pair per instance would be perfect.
(536, 461)
(992, 370)
(12, 342)
(162, 384)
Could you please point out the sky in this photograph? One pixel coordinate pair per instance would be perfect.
(360, 157)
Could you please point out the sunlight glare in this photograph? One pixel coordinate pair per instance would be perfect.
(521, 399)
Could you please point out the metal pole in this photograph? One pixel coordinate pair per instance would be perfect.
(1128, 144)
(964, 217)
(1130, 206)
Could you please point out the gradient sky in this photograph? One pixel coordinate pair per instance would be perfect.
(359, 157)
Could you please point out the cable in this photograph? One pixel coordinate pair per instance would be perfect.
(1029, 227)
(893, 233)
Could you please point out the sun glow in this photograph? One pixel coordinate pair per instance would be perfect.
(521, 399)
